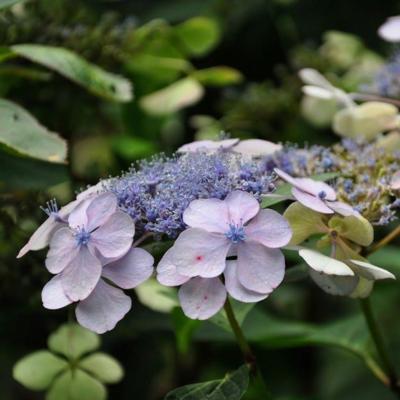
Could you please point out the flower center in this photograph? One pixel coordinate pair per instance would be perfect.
(82, 236)
(322, 195)
(236, 233)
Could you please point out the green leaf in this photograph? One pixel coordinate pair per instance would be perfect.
(36, 371)
(304, 222)
(218, 76)
(240, 309)
(104, 367)
(73, 340)
(232, 387)
(172, 98)
(76, 385)
(133, 148)
(157, 297)
(72, 66)
(198, 35)
(387, 257)
(18, 173)
(184, 328)
(9, 3)
(21, 132)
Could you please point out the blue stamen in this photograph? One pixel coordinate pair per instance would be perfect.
(82, 236)
(236, 233)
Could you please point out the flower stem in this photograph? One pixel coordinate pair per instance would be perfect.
(379, 342)
(248, 355)
(383, 242)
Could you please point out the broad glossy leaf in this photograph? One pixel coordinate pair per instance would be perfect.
(232, 387)
(37, 370)
(157, 297)
(172, 98)
(74, 67)
(104, 367)
(76, 385)
(73, 340)
(22, 133)
(218, 76)
(198, 35)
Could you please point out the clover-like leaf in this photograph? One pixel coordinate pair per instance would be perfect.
(304, 222)
(73, 340)
(104, 367)
(172, 98)
(232, 387)
(198, 35)
(355, 228)
(365, 121)
(37, 370)
(74, 67)
(76, 385)
(22, 133)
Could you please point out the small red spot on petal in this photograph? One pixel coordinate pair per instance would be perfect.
(205, 297)
(199, 258)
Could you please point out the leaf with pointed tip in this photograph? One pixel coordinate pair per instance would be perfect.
(37, 370)
(74, 67)
(232, 387)
(72, 340)
(22, 133)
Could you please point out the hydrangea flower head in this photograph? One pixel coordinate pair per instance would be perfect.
(217, 229)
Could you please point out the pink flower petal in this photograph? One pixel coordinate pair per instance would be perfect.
(259, 268)
(202, 298)
(236, 289)
(81, 275)
(53, 296)
(242, 206)
(167, 274)
(270, 229)
(390, 30)
(114, 238)
(310, 201)
(308, 185)
(41, 237)
(131, 270)
(342, 208)
(100, 210)
(63, 249)
(256, 147)
(103, 309)
(208, 214)
(200, 253)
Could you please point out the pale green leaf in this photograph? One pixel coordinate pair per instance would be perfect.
(73, 341)
(355, 228)
(74, 67)
(37, 370)
(218, 76)
(232, 387)
(198, 35)
(172, 98)
(22, 133)
(76, 385)
(104, 367)
(157, 297)
(304, 222)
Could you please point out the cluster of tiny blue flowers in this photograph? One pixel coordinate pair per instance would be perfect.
(157, 192)
(386, 81)
(365, 171)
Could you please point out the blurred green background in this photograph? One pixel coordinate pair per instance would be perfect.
(197, 67)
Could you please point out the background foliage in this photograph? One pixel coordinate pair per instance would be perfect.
(196, 67)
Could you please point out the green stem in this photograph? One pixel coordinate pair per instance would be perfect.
(248, 355)
(379, 342)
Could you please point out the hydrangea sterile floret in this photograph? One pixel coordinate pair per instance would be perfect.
(217, 229)
(316, 195)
